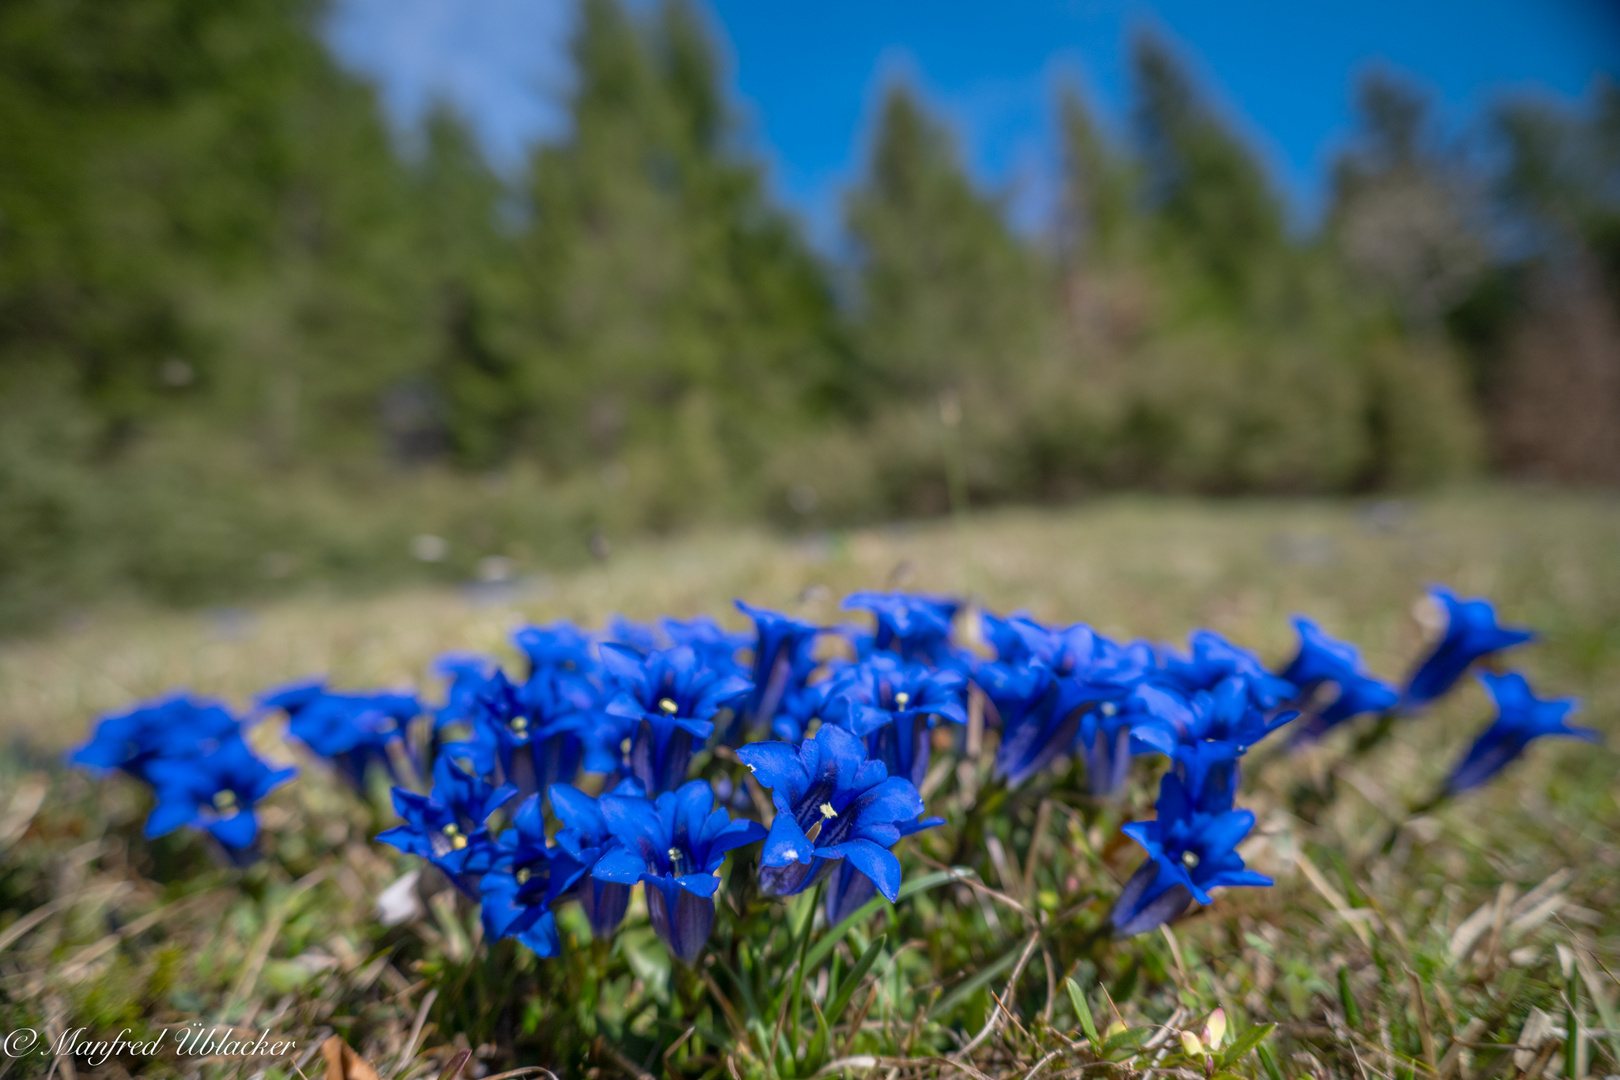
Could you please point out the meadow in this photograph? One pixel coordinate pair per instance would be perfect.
(1480, 940)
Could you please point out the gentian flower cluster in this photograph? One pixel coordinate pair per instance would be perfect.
(571, 781)
(192, 753)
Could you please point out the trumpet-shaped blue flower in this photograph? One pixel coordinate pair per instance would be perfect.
(449, 827)
(802, 704)
(1214, 660)
(519, 734)
(715, 646)
(1358, 695)
(1190, 845)
(833, 803)
(583, 839)
(675, 844)
(1471, 634)
(1045, 721)
(1324, 660)
(467, 675)
(515, 897)
(1320, 658)
(781, 663)
(1163, 720)
(665, 700)
(560, 646)
(351, 730)
(216, 791)
(638, 637)
(176, 726)
(893, 704)
(1520, 718)
(915, 628)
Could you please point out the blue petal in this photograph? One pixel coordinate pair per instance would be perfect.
(895, 799)
(699, 884)
(777, 767)
(237, 831)
(169, 816)
(575, 809)
(623, 663)
(636, 824)
(621, 866)
(786, 843)
(873, 861)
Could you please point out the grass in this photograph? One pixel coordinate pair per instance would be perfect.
(1428, 961)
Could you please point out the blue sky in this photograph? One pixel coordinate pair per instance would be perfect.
(805, 75)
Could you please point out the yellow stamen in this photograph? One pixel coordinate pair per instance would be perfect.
(451, 830)
(827, 811)
(1189, 859)
(668, 705)
(902, 699)
(522, 875)
(519, 723)
(224, 800)
(458, 841)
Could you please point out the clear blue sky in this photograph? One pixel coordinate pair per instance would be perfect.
(805, 75)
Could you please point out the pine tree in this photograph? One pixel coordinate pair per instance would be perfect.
(672, 304)
(947, 294)
(1209, 193)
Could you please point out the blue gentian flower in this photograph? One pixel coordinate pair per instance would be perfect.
(803, 704)
(1324, 660)
(467, 675)
(638, 637)
(1358, 696)
(1320, 658)
(915, 628)
(176, 726)
(1471, 634)
(515, 897)
(351, 730)
(675, 844)
(666, 698)
(561, 645)
(1162, 720)
(1045, 722)
(715, 646)
(1022, 644)
(1520, 718)
(216, 791)
(1190, 845)
(583, 839)
(519, 734)
(449, 827)
(781, 658)
(1214, 660)
(833, 803)
(893, 704)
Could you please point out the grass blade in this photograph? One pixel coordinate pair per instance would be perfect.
(852, 981)
(1082, 1009)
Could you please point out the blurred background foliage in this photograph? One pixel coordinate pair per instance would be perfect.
(248, 340)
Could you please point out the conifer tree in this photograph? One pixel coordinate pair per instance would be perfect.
(1209, 193)
(946, 292)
